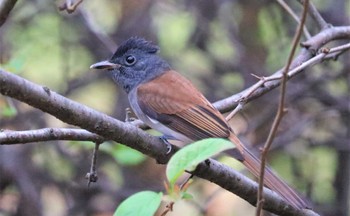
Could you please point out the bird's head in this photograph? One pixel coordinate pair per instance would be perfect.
(134, 62)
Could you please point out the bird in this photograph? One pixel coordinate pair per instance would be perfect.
(168, 102)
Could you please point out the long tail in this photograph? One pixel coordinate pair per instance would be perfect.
(271, 180)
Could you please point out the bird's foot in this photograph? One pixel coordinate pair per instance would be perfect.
(129, 115)
(165, 138)
(207, 162)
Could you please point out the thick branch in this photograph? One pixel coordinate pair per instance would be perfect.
(74, 113)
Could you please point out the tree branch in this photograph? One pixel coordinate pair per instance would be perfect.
(105, 126)
(76, 114)
(304, 59)
(322, 24)
(280, 111)
(8, 137)
(5, 8)
(289, 10)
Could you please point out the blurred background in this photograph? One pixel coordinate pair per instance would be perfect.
(217, 44)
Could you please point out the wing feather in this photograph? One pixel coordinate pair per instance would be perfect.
(173, 101)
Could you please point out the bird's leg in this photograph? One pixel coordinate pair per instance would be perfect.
(129, 115)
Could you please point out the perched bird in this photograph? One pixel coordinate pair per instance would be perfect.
(168, 102)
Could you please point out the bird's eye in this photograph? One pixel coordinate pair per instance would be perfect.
(130, 60)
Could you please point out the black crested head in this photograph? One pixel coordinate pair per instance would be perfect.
(135, 61)
(136, 43)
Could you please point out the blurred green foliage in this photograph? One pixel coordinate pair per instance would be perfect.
(219, 44)
(319, 169)
(8, 111)
(174, 30)
(325, 159)
(53, 163)
(40, 55)
(106, 14)
(274, 36)
(124, 155)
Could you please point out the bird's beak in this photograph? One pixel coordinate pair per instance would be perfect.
(105, 65)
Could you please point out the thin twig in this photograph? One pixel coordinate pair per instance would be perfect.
(322, 24)
(289, 10)
(69, 6)
(97, 30)
(304, 59)
(340, 48)
(92, 175)
(280, 112)
(184, 184)
(238, 108)
(168, 208)
(250, 93)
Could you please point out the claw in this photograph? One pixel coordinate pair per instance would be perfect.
(128, 115)
(207, 162)
(164, 138)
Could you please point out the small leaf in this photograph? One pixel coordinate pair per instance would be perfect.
(191, 155)
(187, 196)
(144, 203)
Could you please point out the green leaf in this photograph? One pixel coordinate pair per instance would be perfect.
(143, 203)
(187, 196)
(190, 156)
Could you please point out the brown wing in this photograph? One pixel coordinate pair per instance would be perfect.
(172, 100)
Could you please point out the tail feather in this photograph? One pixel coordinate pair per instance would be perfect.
(271, 180)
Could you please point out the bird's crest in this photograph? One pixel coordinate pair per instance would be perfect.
(136, 43)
